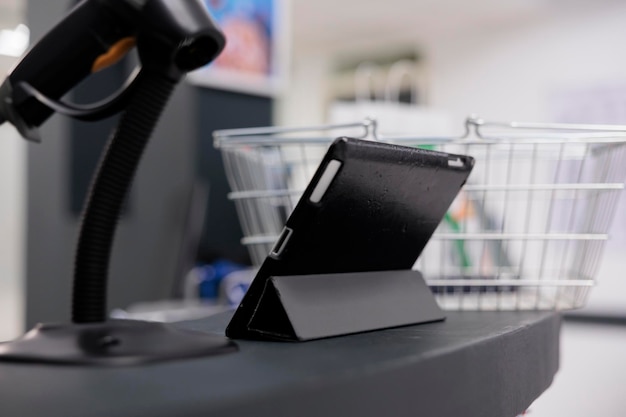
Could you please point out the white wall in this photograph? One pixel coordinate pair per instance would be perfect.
(592, 377)
(305, 101)
(501, 72)
(511, 73)
(12, 203)
(12, 229)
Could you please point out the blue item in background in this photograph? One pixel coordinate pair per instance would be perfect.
(210, 277)
(235, 285)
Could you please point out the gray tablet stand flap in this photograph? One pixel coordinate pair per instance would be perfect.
(305, 307)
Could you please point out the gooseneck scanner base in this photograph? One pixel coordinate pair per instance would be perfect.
(112, 343)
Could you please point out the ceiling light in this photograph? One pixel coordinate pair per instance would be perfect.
(14, 42)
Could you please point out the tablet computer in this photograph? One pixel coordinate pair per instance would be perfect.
(370, 206)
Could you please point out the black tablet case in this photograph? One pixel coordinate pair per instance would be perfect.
(378, 213)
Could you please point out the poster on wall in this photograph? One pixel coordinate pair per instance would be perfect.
(254, 58)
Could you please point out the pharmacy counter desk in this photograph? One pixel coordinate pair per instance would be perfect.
(488, 364)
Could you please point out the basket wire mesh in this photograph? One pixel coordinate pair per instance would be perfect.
(527, 230)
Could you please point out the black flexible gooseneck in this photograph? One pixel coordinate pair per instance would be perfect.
(108, 191)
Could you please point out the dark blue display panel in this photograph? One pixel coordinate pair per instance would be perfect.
(223, 110)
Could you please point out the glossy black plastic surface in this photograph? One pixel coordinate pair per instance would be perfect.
(173, 37)
(378, 213)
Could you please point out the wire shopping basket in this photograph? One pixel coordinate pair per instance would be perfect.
(527, 230)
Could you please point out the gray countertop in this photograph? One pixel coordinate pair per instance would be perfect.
(491, 364)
